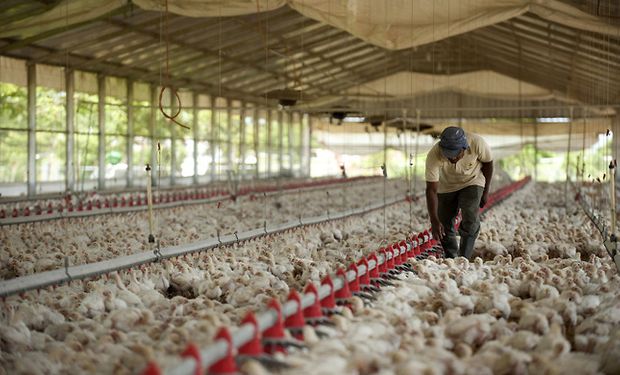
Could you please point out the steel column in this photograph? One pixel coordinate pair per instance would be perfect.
(256, 148)
(280, 141)
(301, 149)
(229, 162)
(291, 126)
(241, 164)
(129, 148)
(152, 119)
(32, 126)
(535, 149)
(308, 146)
(173, 136)
(570, 135)
(101, 122)
(70, 118)
(417, 148)
(213, 142)
(269, 132)
(195, 135)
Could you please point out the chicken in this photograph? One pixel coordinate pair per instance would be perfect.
(512, 310)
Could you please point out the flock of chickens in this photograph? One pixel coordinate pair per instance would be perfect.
(541, 298)
(41, 246)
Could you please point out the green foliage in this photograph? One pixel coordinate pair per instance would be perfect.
(204, 124)
(13, 144)
(521, 164)
(51, 109)
(13, 156)
(141, 118)
(552, 165)
(397, 163)
(51, 136)
(13, 106)
(115, 119)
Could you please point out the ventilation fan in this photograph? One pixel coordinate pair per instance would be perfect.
(375, 120)
(339, 116)
(286, 97)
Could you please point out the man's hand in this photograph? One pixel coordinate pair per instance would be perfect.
(438, 230)
(487, 171)
(431, 203)
(484, 199)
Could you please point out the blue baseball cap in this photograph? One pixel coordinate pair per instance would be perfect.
(452, 141)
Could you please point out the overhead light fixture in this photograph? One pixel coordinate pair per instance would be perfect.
(338, 116)
(375, 120)
(286, 98)
(354, 119)
(553, 119)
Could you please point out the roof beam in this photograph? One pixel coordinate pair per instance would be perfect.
(534, 71)
(533, 51)
(206, 52)
(565, 44)
(135, 72)
(20, 43)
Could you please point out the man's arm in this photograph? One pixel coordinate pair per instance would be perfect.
(431, 204)
(487, 171)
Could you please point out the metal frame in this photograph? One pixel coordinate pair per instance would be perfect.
(241, 164)
(195, 135)
(327, 60)
(280, 120)
(130, 133)
(229, 139)
(308, 146)
(173, 141)
(152, 121)
(213, 141)
(32, 128)
(102, 135)
(256, 143)
(70, 125)
(269, 143)
(302, 145)
(219, 57)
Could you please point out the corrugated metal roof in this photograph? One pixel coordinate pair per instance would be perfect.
(244, 57)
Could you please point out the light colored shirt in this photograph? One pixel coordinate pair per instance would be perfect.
(466, 172)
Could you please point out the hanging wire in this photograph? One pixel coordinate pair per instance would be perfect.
(522, 152)
(568, 149)
(385, 131)
(172, 116)
(159, 169)
(218, 110)
(583, 146)
(416, 151)
(72, 99)
(408, 154)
